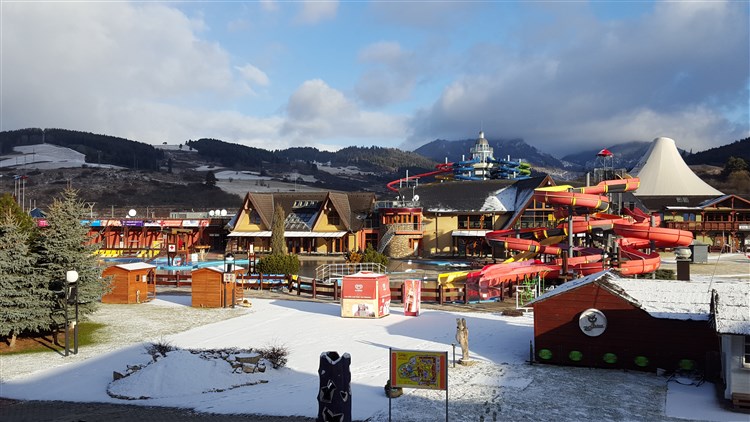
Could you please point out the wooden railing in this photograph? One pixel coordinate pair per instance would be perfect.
(698, 226)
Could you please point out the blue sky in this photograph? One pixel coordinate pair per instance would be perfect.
(563, 75)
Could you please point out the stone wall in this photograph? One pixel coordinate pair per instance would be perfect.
(399, 247)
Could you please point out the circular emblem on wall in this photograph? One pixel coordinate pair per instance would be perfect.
(592, 322)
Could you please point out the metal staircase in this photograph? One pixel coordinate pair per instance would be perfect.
(387, 237)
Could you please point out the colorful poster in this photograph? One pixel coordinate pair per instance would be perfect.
(419, 369)
(412, 296)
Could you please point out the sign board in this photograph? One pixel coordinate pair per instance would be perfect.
(171, 247)
(744, 227)
(419, 369)
(592, 322)
(230, 277)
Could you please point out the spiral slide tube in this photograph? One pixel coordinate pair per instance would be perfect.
(590, 201)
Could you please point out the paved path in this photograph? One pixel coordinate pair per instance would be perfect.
(38, 411)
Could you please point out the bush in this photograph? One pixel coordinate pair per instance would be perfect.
(371, 255)
(161, 347)
(278, 264)
(277, 355)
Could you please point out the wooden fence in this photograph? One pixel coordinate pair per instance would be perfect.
(432, 292)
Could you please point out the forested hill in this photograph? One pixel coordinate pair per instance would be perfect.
(377, 159)
(104, 149)
(718, 156)
(100, 149)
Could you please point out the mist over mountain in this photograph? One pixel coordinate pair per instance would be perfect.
(625, 155)
(441, 150)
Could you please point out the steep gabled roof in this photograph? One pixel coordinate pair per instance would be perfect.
(663, 172)
(349, 206)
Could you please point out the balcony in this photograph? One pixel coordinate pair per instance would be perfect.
(708, 226)
(405, 228)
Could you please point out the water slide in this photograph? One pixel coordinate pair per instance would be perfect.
(583, 210)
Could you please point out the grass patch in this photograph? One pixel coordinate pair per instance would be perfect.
(46, 342)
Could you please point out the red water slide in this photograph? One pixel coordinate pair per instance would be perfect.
(441, 168)
(590, 201)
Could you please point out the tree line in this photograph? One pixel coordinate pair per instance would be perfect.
(34, 262)
(98, 149)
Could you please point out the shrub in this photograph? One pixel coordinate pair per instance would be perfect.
(278, 264)
(371, 255)
(161, 347)
(275, 354)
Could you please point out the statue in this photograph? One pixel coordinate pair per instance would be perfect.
(462, 337)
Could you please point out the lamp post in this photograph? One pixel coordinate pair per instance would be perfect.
(228, 276)
(71, 277)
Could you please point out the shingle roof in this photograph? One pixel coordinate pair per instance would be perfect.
(349, 205)
(672, 299)
(476, 196)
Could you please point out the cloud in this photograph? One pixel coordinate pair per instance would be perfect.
(313, 11)
(253, 74)
(392, 74)
(672, 72)
(317, 112)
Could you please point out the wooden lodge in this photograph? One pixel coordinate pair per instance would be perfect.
(131, 283)
(605, 321)
(213, 288)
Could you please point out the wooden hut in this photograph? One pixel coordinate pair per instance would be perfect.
(213, 288)
(131, 283)
(603, 320)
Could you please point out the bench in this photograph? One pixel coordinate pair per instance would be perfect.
(741, 401)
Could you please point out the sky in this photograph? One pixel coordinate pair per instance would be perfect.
(499, 383)
(563, 76)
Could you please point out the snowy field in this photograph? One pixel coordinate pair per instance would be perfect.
(45, 157)
(500, 386)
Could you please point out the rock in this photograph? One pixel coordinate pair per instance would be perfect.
(116, 376)
(254, 359)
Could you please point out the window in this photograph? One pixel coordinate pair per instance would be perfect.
(334, 219)
(254, 217)
(746, 356)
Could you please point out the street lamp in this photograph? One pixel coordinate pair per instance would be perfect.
(71, 289)
(228, 277)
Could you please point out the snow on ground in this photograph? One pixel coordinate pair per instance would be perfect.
(500, 386)
(46, 156)
(349, 171)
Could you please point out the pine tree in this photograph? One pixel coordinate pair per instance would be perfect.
(25, 300)
(24, 220)
(278, 244)
(63, 246)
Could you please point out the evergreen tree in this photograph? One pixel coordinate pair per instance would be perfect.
(24, 220)
(25, 300)
(62, 247)
(211, 179)
(278, 244)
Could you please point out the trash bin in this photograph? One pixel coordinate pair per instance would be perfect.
(335, 393)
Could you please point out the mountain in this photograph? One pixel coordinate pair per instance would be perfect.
(441, 150)
(625, 155)
(718, 156)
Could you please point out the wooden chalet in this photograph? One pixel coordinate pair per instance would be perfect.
(315, 222)
(723, 222)
(131, 283)
(606, 321)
